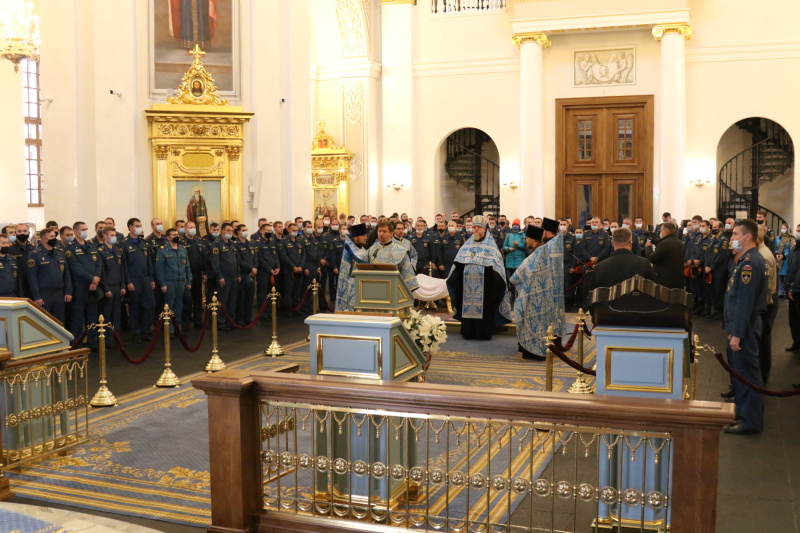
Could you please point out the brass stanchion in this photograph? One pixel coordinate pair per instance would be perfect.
(431, 304)
(215, 364)
(275, 348)
(314, 302)
(579, 386)
(695, 366)
(548, 340)
(203, 293)
(168, 377)
(103, 397)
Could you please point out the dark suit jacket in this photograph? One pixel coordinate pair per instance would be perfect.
(618, 267)
(668, 261)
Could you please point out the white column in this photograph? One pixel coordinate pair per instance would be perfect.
(12, 145)
(529, 197)
(669, 194)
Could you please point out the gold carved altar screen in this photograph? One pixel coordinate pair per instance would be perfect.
(330, 168)
(197, 141)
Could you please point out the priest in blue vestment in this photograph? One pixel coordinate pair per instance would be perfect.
(477, 285)
(540, 293)
(387, 251)
(354, 251)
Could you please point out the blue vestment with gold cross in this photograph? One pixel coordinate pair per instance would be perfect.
(346, 290)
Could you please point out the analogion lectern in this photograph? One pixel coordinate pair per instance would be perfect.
(380, 288)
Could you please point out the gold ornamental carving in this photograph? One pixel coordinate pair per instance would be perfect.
(330, 168)
(234, 152)
(661, 29)
(390, 2)
(537, 37)
(197, 86)
(161, 151)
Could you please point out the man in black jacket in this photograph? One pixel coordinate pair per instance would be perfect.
(621, 264)
(668, 257)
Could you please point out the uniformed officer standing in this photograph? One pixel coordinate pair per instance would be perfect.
(97, 240)
(569, 262)
(211, 282)
(639, 235)
(268, 265)
(86, 272)
(113, 281)
(225, 266)
(498, 234)
(449, 246)
(335, 249)
(156, 240)
(196, 249)
(700, 246)
(293, 265)
(596, 244)
(745, 300)
(248, 268)
(10, 286)
(21, 248)
(48, 275)
(423, 244)
(315, 257)
(769, 238)
(139, 282)
(173, 275)
(716, 264)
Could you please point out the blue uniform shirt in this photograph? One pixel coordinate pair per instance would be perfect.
(47, 271)
(746, 295)
(136, 253)
(10, 285)
(172, 265)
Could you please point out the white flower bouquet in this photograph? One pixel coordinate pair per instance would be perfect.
(428, 332)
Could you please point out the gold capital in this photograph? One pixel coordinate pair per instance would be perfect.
(537, 37)
(161, 150)
(234, 152)
(684, 29)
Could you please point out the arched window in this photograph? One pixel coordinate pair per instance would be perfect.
(32, 109)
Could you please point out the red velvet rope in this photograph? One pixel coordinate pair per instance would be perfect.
(762, 390)
(149, 350)
(252, 324)
(577, 366)
(182, 339)
(577, 282)
(570, 342)
(78, 340)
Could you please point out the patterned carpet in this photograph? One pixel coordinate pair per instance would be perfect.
(149, 457)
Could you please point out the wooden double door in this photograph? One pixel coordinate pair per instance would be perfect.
(604, 152)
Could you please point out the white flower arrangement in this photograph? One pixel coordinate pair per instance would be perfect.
(427, 331)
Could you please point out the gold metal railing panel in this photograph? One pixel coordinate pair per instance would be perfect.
(383, 471)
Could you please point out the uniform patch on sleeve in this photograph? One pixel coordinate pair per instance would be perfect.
(68, 253)
(31, 262)
(747, 275)
(215, 250)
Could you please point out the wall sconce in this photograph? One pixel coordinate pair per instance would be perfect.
(511, 184)
(699, 182)
(396, 186)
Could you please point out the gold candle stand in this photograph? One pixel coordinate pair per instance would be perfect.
(548, 340)
(168, 377)
(215, 364)
(431, 304)
(103, 397)
(275, 348)
(579, 386)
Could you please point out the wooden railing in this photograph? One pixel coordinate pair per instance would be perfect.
(236, 400)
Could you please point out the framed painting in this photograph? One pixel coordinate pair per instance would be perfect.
(176, 26)
(326, 203)
(199, 201)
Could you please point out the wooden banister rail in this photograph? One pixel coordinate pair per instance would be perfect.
(233, 407)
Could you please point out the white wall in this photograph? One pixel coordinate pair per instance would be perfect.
(12, 146)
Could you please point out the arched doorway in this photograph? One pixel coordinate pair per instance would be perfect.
(470, 173)
(755, 169)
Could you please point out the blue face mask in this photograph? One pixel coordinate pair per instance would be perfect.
(113, 240)
(192, 232)
(12, 239)
(215, 234)
(182, 230)
(515, 228)
(579, 236)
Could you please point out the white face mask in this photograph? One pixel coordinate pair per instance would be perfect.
(346, 232)
(685, 231)
(138, 231)
(373, 224)
(703, 230)
(182, 231)
(728, 227)
(226, 236)
(70, 238)
(797, 235)
(112, 240)
(84, 234)
(318, 231)
(626, 226)
(405, 231)
(335, 228)
(735, 245)
(215, 234)
(12, 239)
(451, 229)
(638, 226)
(159, 228)
(192, 232)
(595, 228)
(783, 230)
(469, 230)
(696, 226)
(562, 229)
(579, 236)
(293, 234)
(245, 234)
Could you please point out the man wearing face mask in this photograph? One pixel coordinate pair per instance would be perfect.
(423, 244)
(497, 233)
(768, 316)
(334, 246)
(792, 281)
(225, 265)
(639, 235)
(715, 265)
(112, 284)
(667, 257)
(49, 276)
(449, 245)
(21, 248)
(293, 265)
(666, 217)
(139, 275)
(196, 250)
(690, 240)
(540, 291)
(728, 228)
(745, 301)
(595, 245)
(569, 262)
(697, 283)
(96, 240)
(514, 247)
(173, 275)
(66, 236)
(10, 286)
(268, 266)
(637, 250)
(355, 251)
(86, 271)
(769, 237)
(156, 240)
(246, 255)
(315, 259)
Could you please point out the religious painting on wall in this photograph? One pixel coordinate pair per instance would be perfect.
(326, 202)
(199, 201)
(176, 26)
(603, 67)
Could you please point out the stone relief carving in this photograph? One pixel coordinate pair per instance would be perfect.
(353, 91)
(605, 67)
(351, 27)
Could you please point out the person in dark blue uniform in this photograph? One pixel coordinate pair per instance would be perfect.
(569, 262)
(86, 271)
(596, 244)
(640, 235)
(335, 249)
(113, 281)
(316, 252)
(248, 269)
(139, 274)
(293, 265)
(21, 248)
(48, 275)
(155, 241)
(173, 275)
(196, 249)
(745, 300)
(449, 245)
(700, 246)
(10, 286)
(423, 244)
(97, 239)
(716, 265)
(225, 266)
(268, 266)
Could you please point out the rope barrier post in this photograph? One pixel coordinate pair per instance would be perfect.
(579, 386)
(215, 364)
(168, 377)
(274, 349)
(548, 340)
(695, 366)
(431, 304)
(103, 397)
(314, 302)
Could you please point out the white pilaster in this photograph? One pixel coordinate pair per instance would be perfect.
(12, 146)
(670, 191)
(529, 196)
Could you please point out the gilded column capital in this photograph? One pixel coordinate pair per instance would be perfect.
(537, 37)
(661, 29)
(161, 151)
(234, 152)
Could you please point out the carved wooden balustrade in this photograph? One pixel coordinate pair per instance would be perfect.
(276, 464)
